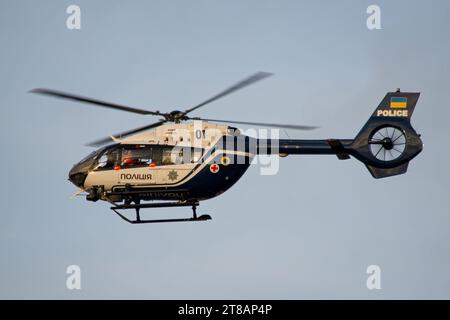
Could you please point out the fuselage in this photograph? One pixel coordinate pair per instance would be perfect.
(187, 162)
(173, 162)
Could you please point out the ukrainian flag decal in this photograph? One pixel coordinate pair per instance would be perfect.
(398, 102)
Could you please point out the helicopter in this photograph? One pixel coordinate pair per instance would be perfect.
(181, 160)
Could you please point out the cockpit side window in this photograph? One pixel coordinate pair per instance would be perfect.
(108, 160)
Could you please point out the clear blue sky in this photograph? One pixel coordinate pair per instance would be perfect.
(308, 232)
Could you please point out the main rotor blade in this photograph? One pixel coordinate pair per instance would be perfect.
(64, 95)
(262, 124)
(241, 84)
(105, 140)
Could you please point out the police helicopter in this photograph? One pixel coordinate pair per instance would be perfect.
(181, 160)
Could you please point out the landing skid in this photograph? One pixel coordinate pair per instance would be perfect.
(138, 206)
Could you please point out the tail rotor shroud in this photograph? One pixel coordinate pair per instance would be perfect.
(387, 143)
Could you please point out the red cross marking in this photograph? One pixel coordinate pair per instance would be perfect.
(214, 168)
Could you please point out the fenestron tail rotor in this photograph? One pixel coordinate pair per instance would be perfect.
(387, 143)
(173, 116)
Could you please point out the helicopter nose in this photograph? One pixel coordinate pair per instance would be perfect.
(77, 176)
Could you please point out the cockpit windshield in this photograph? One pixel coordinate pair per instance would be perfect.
(92, 155)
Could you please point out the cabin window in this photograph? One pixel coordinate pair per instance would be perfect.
(168, 155)
(180, 155)
(136, 156)
(196, 154)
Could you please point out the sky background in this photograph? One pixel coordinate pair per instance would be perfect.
(308, 232)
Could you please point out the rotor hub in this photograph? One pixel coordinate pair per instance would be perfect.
(175, 116)
(387, 143)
